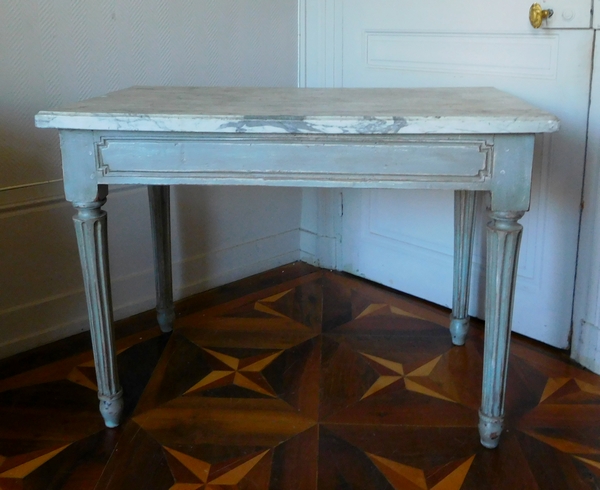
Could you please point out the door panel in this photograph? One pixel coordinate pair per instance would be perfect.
(404, 239)
(489, 54)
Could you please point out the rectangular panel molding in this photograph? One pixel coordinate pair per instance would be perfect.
(302, 161)
(506, 54)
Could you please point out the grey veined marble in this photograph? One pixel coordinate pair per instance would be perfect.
(303, 111)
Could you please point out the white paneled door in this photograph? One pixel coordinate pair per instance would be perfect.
(405, 239)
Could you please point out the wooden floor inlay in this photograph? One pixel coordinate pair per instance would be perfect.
(323, 381)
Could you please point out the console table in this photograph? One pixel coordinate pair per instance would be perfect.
(464, 139)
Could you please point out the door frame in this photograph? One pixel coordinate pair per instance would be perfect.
(585, 342)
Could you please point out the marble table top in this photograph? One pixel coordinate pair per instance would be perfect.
(304, 111)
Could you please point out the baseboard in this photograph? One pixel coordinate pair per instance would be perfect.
(586, 346)
(308, 247)
(318, 250)
(220, 267)
(63, 315)
(43, 322)
(309, 258)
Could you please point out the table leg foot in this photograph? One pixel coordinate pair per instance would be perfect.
(165, 319)
(111, 408)
(490, 429)
(459, 327)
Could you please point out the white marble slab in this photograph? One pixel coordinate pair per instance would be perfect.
(304, 111)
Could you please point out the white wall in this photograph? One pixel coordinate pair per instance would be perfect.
(57, 51)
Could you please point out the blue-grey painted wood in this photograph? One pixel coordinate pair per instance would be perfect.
(79, 165)
(503, 240)
(510, 198)
(511, 175)
(160, 209)
(464, 220)
(338, 159)
(90, 227)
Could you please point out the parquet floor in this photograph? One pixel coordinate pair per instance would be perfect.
(298, 379)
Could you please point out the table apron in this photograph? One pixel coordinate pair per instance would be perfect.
(297, 160)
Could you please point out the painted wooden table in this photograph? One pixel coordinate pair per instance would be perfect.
(465, 139)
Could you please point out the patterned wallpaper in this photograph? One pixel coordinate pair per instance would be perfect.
(54, 52)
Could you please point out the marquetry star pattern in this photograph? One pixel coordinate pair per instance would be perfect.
(245, 373)
(265, 305)
(30, 462)
(204, 475)
(390, 373)
(404, 476)
(321, 382)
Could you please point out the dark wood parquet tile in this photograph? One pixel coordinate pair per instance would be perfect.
(136, 449)
(305, 379)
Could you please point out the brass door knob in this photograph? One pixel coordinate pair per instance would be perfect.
(537, 15)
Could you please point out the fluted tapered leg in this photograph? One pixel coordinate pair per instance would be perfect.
(503, 240)
(90, 226)
(160, 208)
(464, 218)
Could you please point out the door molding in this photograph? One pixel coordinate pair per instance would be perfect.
(323, 40)
(586, 315)
(319, 66)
